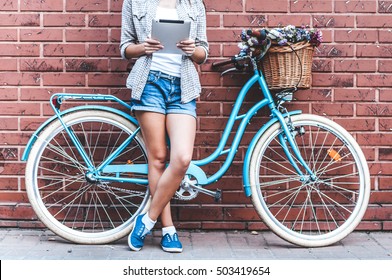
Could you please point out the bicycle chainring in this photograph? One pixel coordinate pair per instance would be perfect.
(186, 191)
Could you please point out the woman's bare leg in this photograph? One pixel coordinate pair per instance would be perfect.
(181, 129)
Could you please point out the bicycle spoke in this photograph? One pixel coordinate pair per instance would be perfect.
(321, 206)
(77, 205)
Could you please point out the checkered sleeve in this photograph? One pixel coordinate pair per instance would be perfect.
(201, 33)
(128, 31)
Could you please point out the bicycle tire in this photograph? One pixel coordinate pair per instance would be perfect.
(61, 195)
(310, 213)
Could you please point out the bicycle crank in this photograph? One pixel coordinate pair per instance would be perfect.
(189, 190)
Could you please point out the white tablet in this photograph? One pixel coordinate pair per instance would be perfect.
(170, 33)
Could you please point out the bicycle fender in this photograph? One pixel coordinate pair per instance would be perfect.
(249, 152)
(35, 135)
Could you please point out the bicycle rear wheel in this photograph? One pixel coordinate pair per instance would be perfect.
(63, 197)
(310, 213)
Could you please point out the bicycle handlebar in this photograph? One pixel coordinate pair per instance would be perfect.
(224, 62)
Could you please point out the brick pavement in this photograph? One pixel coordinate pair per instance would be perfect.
(18, 244)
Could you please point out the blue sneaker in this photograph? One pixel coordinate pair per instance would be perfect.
(137, 235)
(171, 243)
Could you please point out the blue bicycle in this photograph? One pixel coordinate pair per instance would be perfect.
(86, 169)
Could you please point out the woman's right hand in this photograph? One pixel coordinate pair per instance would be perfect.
(151, 46)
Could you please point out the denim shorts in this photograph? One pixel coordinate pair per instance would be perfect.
(162, 94)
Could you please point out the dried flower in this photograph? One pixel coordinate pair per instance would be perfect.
(281, 35)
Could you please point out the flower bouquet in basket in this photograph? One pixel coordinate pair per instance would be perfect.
(287, 54)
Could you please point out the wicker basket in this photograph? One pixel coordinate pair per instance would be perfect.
(282, 68)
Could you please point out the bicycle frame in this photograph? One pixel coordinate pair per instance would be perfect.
(194, 168)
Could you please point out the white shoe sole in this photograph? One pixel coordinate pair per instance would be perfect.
(172, 250)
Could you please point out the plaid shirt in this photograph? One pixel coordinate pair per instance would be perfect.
(137, 16)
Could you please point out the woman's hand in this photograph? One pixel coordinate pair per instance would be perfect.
(187, 46)
(151, 46)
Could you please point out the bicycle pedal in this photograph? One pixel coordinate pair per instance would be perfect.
(218, 195)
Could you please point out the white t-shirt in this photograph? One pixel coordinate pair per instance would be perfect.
(165, 62)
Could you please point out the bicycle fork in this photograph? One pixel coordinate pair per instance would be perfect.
(287, 137)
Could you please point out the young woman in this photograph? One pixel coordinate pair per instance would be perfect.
(164, 88)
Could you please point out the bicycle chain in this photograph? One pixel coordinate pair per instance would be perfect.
(176, 197)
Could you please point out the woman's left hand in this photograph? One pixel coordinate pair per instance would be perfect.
(187, 46)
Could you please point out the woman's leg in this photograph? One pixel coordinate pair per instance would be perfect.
(153, 127)
(181, 129)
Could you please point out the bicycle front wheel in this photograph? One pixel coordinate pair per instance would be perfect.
(65, 199)
(304, 211)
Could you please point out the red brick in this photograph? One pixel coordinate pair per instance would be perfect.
(355, 65)
(385, 65)
(210, 79)
(54, 20)
(244, 21)
(86, 35)
(19, 109)
(374, 50)
(114, 80)
(223, 6)
(223, 35)
(308, 6)
(38, 93)
(354, 94)
(212, 124)
(333, 80)
(368, 6)
(16, 79)
(39, 5)
(99, 20)
(375, 139)
(241, 214)
(223, 226)
(31, 123)
(331, 51)
(385, 36)
(20, 19)
(377, 109)
(385, 183)
(208, 108)
(283, 20)
(8, 94)
(19, 50)
(267, 6)
(86, 65)
(338, 109)
(63, 79)
(8, 183)
(213, 20)
(116, 6)
(356, 35)
(9, 5)
(41, 65)
(103, 50)
(87, 5)
(46, 35)
(385, 6)
(8, 64)
(385, 95)
(63, 50)
(333, 21)
(119, 65)
(375, 21)
(385, 124)
(8, 35)
(8, 123)
(201, 214)
(374, 80)
(357, 124)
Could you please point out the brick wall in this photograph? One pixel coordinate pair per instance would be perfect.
(72, 46)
